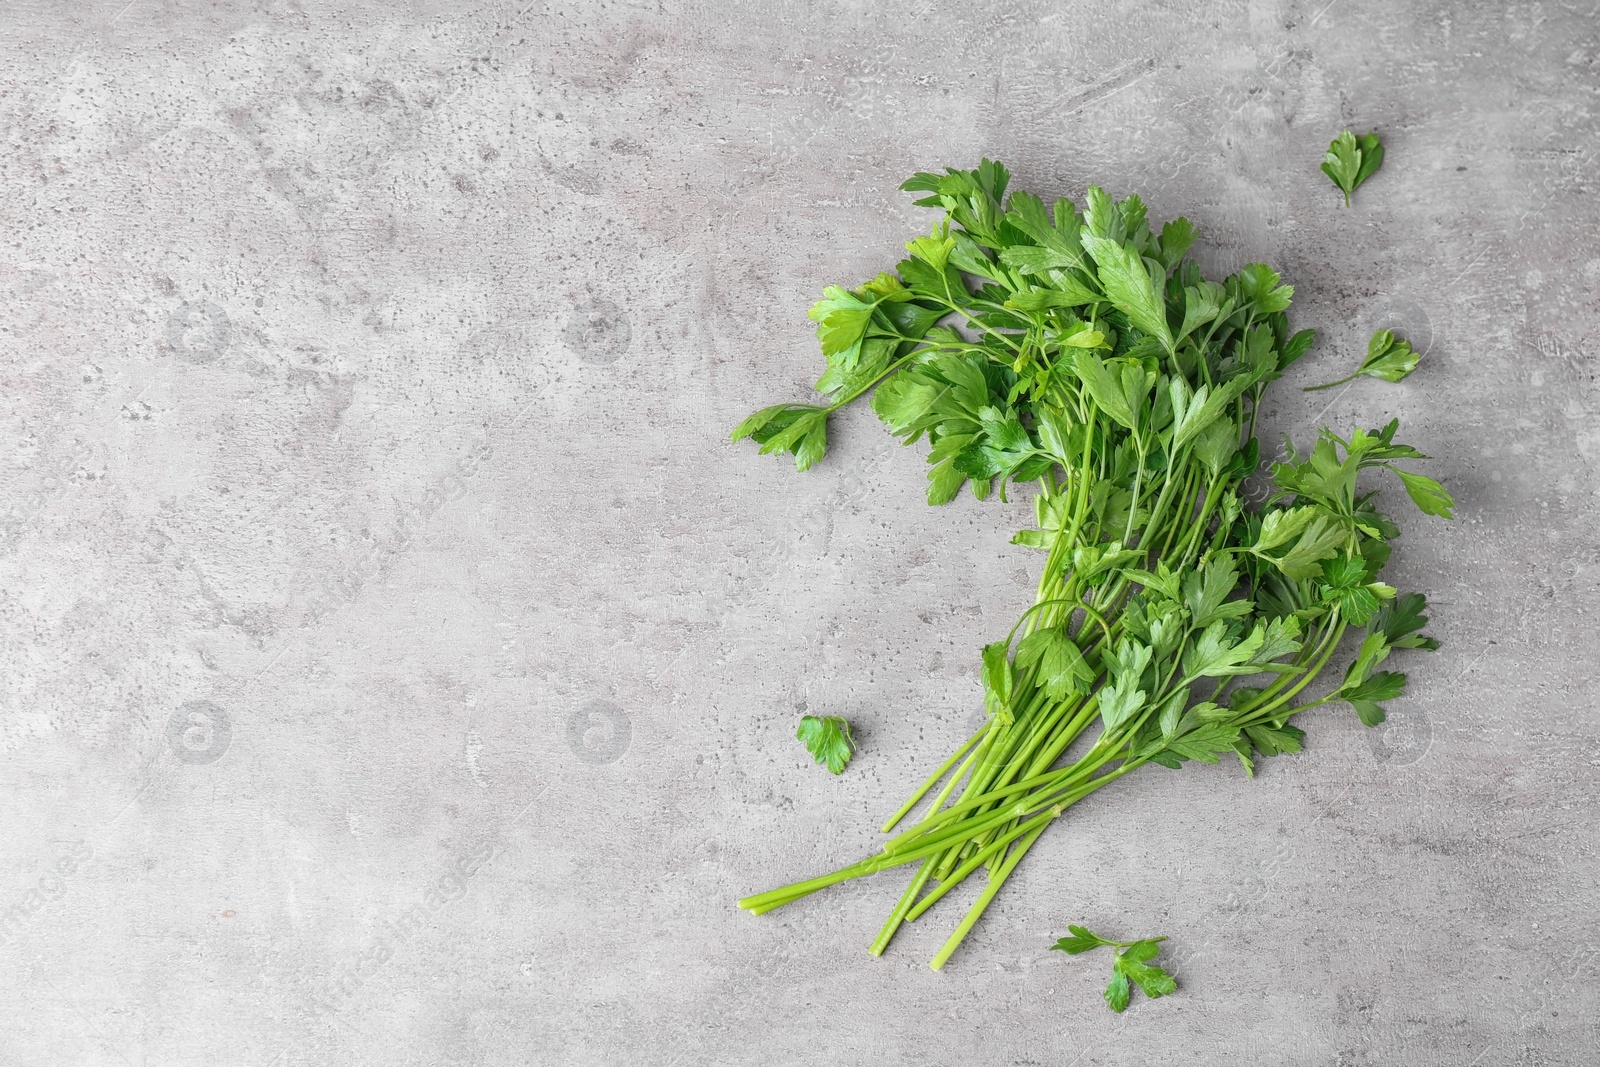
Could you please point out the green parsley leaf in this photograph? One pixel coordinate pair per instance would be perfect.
(1374, 650)
(1202, 303)
(1207, 742)
(1399, 619)
(999, 679)
(1218, 655)
(1258, 287)
(1371, 156)
(1106, 387)
(1177, 237)
(1162, 581)
(1081, 940)
(1117, 992)
(1272, 740)
(1429, 496)
(1131, 963)
(801, 429)
(1059, 665)
(1297, 346)
(841, 317)
(1172, 713)
(1322, 538)
(1345, 584)
(1382, 685)
(1282, 639)
(1388, 357)
(1217, 445)
(1132, 287)
(1351, 160)
(1121, 701)
(1206, 593)
(827, 739)
(1280, 526)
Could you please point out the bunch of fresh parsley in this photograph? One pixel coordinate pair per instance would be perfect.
(1081, 351)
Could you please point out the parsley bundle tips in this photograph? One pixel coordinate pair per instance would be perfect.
(1078, 351)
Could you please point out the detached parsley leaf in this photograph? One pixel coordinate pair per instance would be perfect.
(1117, 991)
(1131, 966)
(1133, 961)
(1351, 160)
(1388, 357)
(827, 739)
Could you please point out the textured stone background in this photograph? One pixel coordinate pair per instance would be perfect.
(400, 665)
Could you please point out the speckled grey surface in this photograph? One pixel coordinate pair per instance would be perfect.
(400, 666)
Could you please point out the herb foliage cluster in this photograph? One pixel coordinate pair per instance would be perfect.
(1079, 351)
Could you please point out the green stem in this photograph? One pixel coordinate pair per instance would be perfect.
(1076, 605)
(908, 838)
(933, 779)
(757, 903)
(899, 914)
(1015, 858)
(982, 903)
(977, 861)
(1330, 385)
(1138, 480)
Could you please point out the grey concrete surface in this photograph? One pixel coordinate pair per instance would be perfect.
(401, 667)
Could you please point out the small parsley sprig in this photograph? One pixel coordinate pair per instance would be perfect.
(1079, 351)
(1130, 963)
(1351, 160)
(1388, 357)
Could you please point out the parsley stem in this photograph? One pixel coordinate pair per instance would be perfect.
(1077, 605)
(1138, 480)
(933, 779)
(902, 909)
(759, 902)
(1064, 739)
(981, 905)
(1331, 385)
(978, 859)
(1311, 674)
(1015, 857)
(892, 368)
(969, 804)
